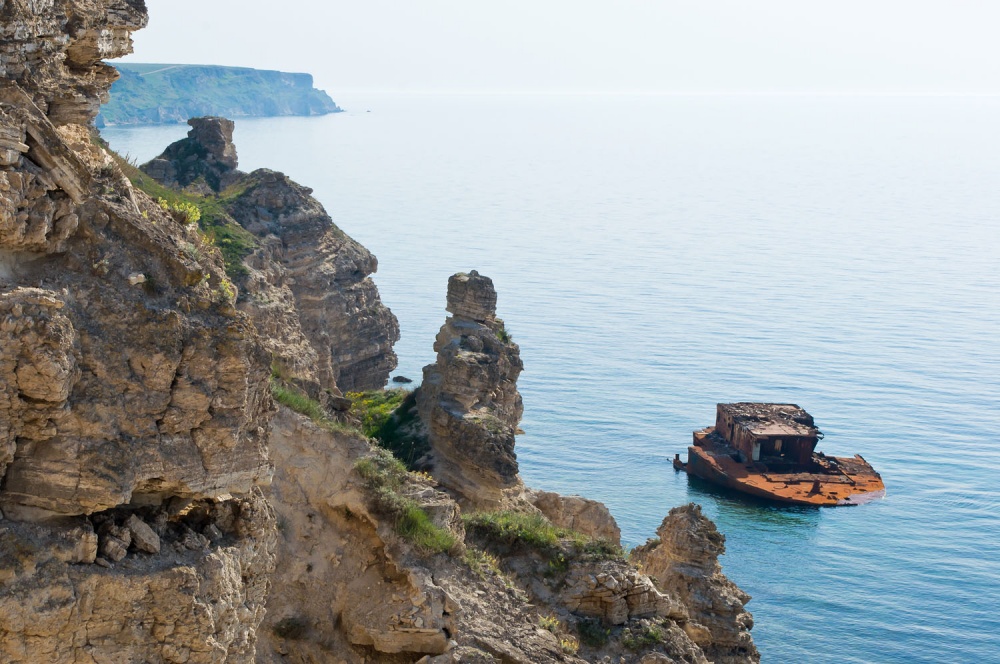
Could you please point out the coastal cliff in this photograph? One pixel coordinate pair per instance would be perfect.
(182, 473)
(134, 396)
(169, 94)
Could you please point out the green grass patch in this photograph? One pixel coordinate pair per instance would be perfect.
(514, 528)
(298, 401)
(374, 408)
(415, 526)
(384, 476)
(533, 531)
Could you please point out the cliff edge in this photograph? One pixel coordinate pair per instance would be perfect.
(134, 397)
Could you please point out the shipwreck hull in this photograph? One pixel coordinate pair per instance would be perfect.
(841, 480)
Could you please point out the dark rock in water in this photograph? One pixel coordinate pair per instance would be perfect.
(401, 379)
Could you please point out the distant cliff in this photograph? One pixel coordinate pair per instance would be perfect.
(166, 94)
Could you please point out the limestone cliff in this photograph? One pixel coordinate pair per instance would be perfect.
(469, 399)
(542, 580)
(166, 94)
(130, 386)
(306, 283)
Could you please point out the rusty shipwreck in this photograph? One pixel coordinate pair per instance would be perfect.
(769, 450)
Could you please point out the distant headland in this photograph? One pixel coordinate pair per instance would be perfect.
(168, 94)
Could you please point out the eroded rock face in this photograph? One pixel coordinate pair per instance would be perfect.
(191, 604)
(328, 274)
(685, 563)
(469, 399)
(128, 381)
(307, 284)
(614, 593)
(373, 595)
(53, 49)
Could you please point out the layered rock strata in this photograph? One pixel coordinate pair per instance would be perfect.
(685, 563)
(128, 382)
(306, 283)
(469, 399)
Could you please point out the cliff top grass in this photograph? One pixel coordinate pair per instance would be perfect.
(385, 476)
(301, 403)
(532, 531)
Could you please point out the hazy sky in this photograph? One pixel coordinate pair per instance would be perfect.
(940, 46)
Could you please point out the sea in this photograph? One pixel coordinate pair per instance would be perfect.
(657, 254)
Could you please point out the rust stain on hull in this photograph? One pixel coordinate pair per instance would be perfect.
(777, 462)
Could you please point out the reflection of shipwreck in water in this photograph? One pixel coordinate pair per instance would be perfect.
(768, 450)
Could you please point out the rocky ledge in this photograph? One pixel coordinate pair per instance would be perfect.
(305, 283)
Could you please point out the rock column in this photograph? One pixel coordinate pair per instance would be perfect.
(469, 399)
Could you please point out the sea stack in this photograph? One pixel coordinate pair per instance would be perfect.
(469, 399)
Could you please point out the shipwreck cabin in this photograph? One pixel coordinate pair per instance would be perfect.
(775, 433)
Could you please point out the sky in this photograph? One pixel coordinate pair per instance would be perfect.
(657, 46)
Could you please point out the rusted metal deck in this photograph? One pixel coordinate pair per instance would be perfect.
(821, 481)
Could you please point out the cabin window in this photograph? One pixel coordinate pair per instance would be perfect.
(777, 446)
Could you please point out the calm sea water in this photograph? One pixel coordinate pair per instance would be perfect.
(656, 255)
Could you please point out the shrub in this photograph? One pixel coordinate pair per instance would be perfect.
(503, 335)
(569, 645)
(550, 622)
(381, 470)
(645, 637)
(292, 629)
(184, 211)
(593, 633)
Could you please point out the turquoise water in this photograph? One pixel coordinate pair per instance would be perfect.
(656, 255)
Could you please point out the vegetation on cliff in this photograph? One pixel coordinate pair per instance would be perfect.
(207, 210)
(168, 94)
(386, 479)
